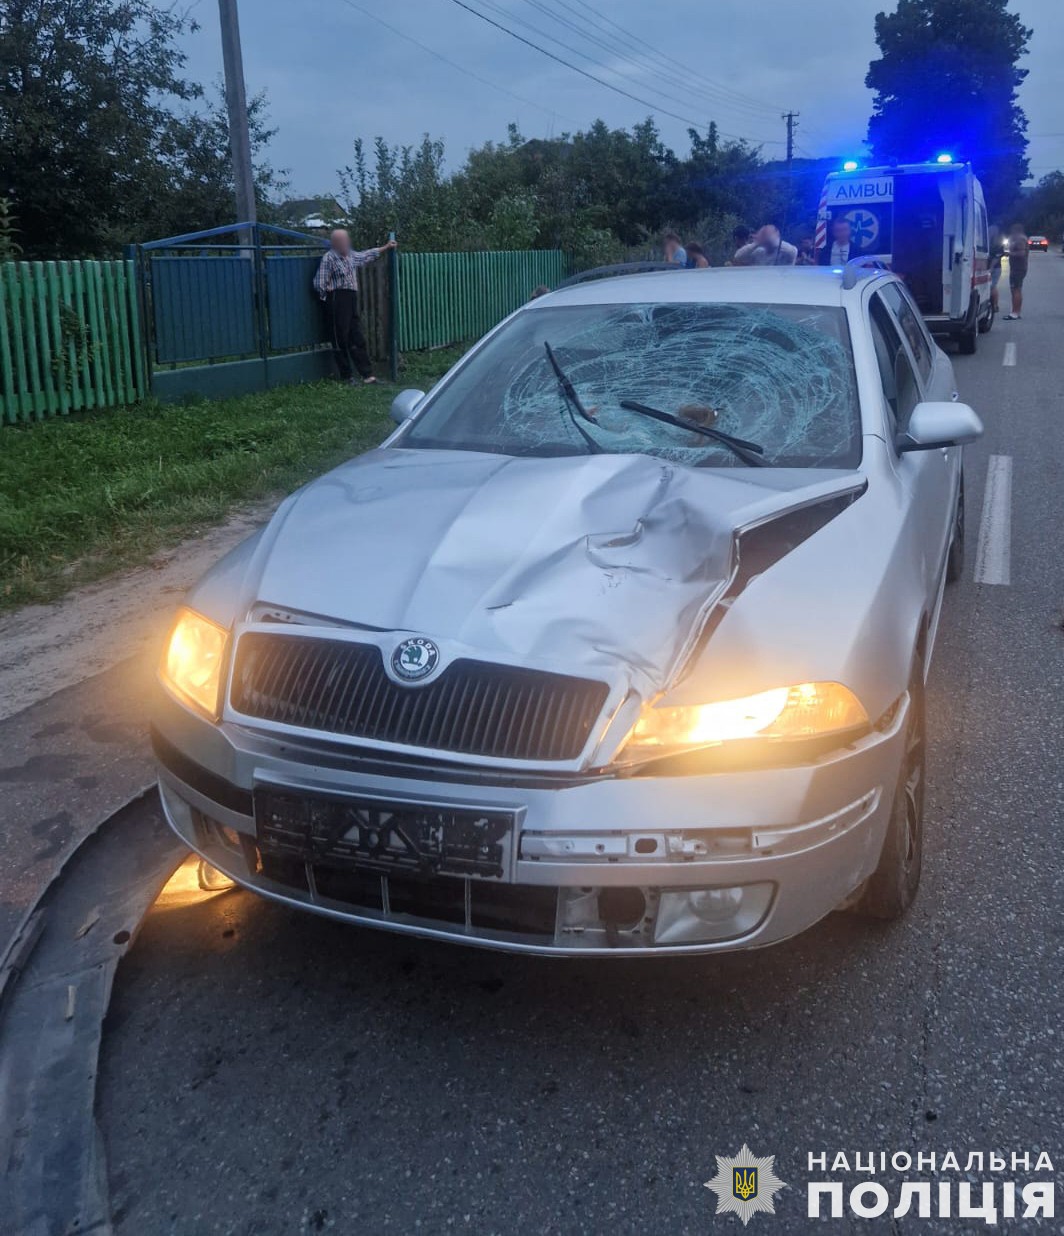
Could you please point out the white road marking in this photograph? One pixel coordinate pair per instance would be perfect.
(995, 528)
(1010, 354)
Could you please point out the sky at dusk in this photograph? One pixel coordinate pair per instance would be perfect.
(333, 71)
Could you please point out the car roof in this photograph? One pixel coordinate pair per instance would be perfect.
(780, 285)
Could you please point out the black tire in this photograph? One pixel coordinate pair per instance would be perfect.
(955, 560)
(891, 889)
(987, 320)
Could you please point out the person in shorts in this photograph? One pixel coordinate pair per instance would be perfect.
(1018, 253)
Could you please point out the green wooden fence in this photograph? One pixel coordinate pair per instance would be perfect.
(69, 338)
(451, 297)
(71, 332)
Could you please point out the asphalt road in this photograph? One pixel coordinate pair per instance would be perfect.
(265, 1071)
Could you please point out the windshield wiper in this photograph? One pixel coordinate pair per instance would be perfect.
(574, 402)
(749, 452)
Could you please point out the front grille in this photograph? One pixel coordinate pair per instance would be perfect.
(524, 908)
(472, 707)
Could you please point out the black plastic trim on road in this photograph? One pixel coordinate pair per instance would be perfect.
(53, 1177)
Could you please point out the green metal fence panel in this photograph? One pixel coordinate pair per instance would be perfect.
(448, 298)
(68, 338)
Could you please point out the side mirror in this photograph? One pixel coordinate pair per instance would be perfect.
(404, 405)
(939, 424)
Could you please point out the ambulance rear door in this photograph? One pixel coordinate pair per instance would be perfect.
(923, 249)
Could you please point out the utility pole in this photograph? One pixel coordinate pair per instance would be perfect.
(791, 118)
(237, 105)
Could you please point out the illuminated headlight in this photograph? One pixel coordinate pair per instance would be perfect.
(193, 661)
(808, 710)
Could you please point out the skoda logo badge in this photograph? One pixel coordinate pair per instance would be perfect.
(415, 658)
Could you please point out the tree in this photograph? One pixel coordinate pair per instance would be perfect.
(628, 177)
(724, 176)
(404, 191)
(84, 88)
(191, 186)
(512, 224)
(947, 81)
(1043, 210)
(9, 246)
(598, 193)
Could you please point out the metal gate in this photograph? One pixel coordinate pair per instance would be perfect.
(232, 310)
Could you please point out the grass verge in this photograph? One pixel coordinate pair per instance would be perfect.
(84, 496)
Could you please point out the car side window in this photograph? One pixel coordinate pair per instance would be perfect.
(921, 326)
(900, 384)
(912, 325)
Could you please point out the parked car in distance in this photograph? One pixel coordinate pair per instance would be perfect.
(1038, 242)
(616, 646)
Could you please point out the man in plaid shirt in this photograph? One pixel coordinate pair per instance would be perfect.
(337, 284)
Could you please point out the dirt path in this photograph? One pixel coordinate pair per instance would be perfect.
(44, 648)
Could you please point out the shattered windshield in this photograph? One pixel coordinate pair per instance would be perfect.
(780, 376)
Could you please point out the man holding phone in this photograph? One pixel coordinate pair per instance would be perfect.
(768, 248)
(337, 285)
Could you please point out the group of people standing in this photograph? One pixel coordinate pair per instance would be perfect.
(765, 247)
(336, 281)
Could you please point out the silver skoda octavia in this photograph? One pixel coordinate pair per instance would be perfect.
(618, 643)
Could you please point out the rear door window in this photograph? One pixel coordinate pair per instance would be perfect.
(982, 235)
(901, 386)
(912, 326)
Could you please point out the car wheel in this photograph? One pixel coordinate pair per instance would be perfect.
(891, 889)
(955, 561)
(987, 320)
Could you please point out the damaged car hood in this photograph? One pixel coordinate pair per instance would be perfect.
(588, 564)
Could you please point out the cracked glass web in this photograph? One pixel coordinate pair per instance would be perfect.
(779, 375)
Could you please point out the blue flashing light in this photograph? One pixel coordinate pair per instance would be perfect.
(850, 165)
(944, 158)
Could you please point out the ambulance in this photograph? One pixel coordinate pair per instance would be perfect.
(927, 222)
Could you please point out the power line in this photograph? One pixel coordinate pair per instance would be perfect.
(646, 70)
(501, 12)
(646, 60)
(453, 63)
(673, 66)
(576, 68)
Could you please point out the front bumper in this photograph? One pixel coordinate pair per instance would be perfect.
(591, 865)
